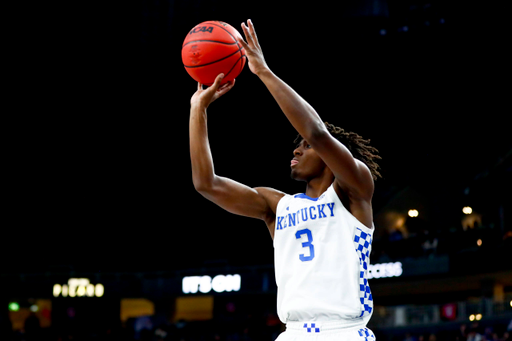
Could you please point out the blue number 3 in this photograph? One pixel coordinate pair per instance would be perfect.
(307, 232)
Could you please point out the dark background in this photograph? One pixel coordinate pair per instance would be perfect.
(97, 153)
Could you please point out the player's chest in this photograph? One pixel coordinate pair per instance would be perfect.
(300, 213)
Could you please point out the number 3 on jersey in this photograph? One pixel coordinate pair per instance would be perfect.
(308, 243)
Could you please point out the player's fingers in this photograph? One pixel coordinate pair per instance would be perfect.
(226, 87)
(242, 42)
(199, 86)
(217, 81)
(248, 50)
(229, 85)
(248, 35)
(223, 89)
(253, 32)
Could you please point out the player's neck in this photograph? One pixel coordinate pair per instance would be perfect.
(315, 187)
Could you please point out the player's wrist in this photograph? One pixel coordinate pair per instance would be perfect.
(265, 71)
(198, 106)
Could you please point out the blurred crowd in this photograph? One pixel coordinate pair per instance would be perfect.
(423, 240)
(240, 328)
(472, 332)
(261, 327)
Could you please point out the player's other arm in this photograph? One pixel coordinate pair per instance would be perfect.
(234, 197)
(352, 176)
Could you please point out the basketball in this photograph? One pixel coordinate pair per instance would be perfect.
(211, 48)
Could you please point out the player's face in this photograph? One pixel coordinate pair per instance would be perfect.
(306, 164)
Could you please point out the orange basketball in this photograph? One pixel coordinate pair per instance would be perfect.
(211, 48)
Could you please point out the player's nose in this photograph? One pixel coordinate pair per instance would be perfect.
(297, 151)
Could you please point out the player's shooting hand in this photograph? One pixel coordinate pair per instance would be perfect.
(204, 97)
(252, 48)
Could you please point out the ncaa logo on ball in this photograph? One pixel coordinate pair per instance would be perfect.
(204, 29)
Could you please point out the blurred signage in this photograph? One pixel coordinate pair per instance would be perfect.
(78, 287)
(449, 312)
(385, 270)
(205, 284)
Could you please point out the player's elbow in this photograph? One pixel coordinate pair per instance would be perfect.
(203, 185)
(208, 190)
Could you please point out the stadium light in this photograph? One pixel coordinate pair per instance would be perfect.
(90, 290)
(474, 317)
(413, 213)
(57, 289)
(99, 290)
(479, 242)
(511, 303)
(80, 291)
(467, 210)
(14, 306)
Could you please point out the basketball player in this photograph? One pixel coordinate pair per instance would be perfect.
(322, 238)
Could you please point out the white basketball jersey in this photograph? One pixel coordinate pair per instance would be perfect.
(321, 254)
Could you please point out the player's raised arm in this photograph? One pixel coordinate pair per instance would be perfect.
(234, 197)
(351, 175)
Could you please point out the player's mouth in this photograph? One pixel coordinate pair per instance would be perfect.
(294, 162)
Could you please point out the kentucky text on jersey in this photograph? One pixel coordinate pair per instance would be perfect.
(312, 212)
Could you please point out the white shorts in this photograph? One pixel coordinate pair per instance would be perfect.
(325, 331)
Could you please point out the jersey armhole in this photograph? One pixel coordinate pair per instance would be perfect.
(358, 223)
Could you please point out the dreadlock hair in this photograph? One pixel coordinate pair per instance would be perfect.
(359, 147)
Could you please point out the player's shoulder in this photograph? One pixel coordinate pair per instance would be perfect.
(270, 193)
(272, 196)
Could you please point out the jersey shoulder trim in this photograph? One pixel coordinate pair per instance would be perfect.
(304, 196)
